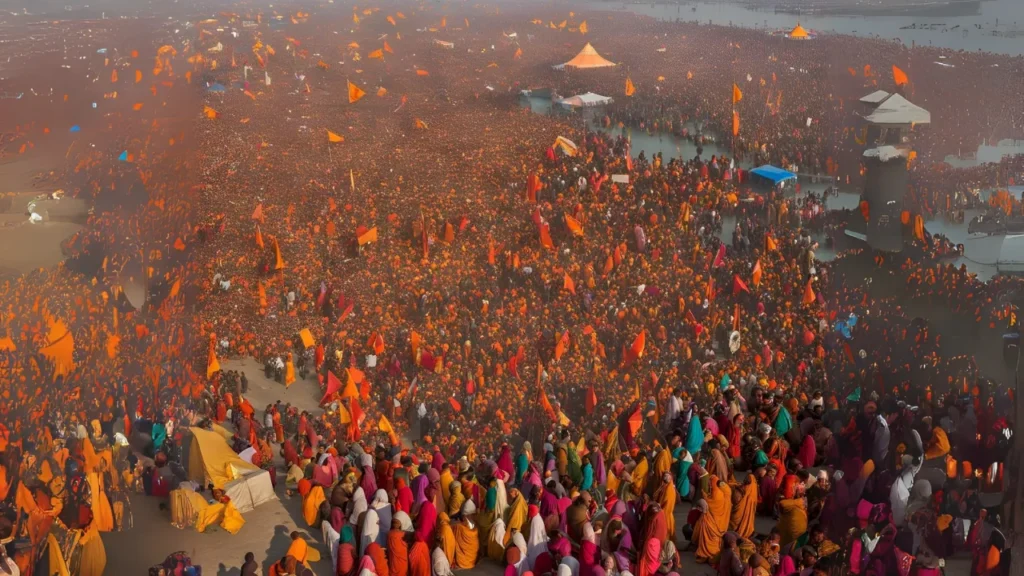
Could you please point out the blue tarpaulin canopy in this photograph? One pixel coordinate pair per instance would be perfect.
(774, 174)
(216, 87)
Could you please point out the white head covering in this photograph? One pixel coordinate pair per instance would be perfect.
(403, 521)
(358, 506)
(537, 541)
(497, 534)
(440, 563)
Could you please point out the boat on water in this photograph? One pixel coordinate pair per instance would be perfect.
(997, 240)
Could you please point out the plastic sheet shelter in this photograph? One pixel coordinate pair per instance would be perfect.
(773, 174)
(588, 58)
(212, 461)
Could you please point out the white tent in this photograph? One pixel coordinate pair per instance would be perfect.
(251, 490)
(585, 100)
(898, 110)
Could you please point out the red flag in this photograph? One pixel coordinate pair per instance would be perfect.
(562, 345)
(635, 421)
(720, 257)
(357, 416)
(333, 385)
(591, 401)
(455, 404)
(738, 285)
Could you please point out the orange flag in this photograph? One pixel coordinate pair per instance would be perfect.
(262, 292)
(583, 27)
(209, 112)
(376, 343)
(449, 233)
(899, 75)
(279, 262)
(544, 402)
(257, 214)
(591, 400)
(735, 123)
(568, 284)
(545, 237)
(368, 236)
(354, 93)
(391, 19)
(212, 365)
(377, 54)
(138, 76)
(350, 390)
(630, 89)
(809, 296)
(518, 54)
(769, 243)
(562, 345)
(422, 73)
(332, 137)
(388, 48)
(113, 76)
(574, 226)
(736, 94)
(755, 277)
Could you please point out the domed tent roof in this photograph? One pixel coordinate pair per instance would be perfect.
(799, 32)
(588, 58)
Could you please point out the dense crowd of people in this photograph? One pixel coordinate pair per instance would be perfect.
(529, 353)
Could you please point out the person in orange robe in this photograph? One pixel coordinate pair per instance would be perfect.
(467, 541)
(744, 508)
(398, 550)
(419, 559)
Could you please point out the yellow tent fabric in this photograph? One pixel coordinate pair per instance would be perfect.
(222, 431)
(588, 58)
(212, 461)
(798, 32)
(307, 338)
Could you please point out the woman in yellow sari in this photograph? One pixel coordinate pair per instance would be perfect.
(455, 499)
(666, 497)
(516, 514)
(312, 497)
(713, 522)
(744, 508)
(467, 539)
(446, 537)
(639, 476)
(102, 513)
(792, 519)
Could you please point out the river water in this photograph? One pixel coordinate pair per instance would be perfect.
(929, 31)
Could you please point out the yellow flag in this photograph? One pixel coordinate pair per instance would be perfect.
(354, 93)
(343, 414)
(332, 137)
(630, 89)
(583, 27)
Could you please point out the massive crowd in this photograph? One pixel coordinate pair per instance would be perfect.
(564, 356)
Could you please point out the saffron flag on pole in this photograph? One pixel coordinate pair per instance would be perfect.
(354, 93)
(332, 137)
(735, 123)
(737, 95)
(899, 76)
(630, 89)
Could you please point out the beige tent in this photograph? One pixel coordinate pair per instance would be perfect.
(588, 58)
(799, 33)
